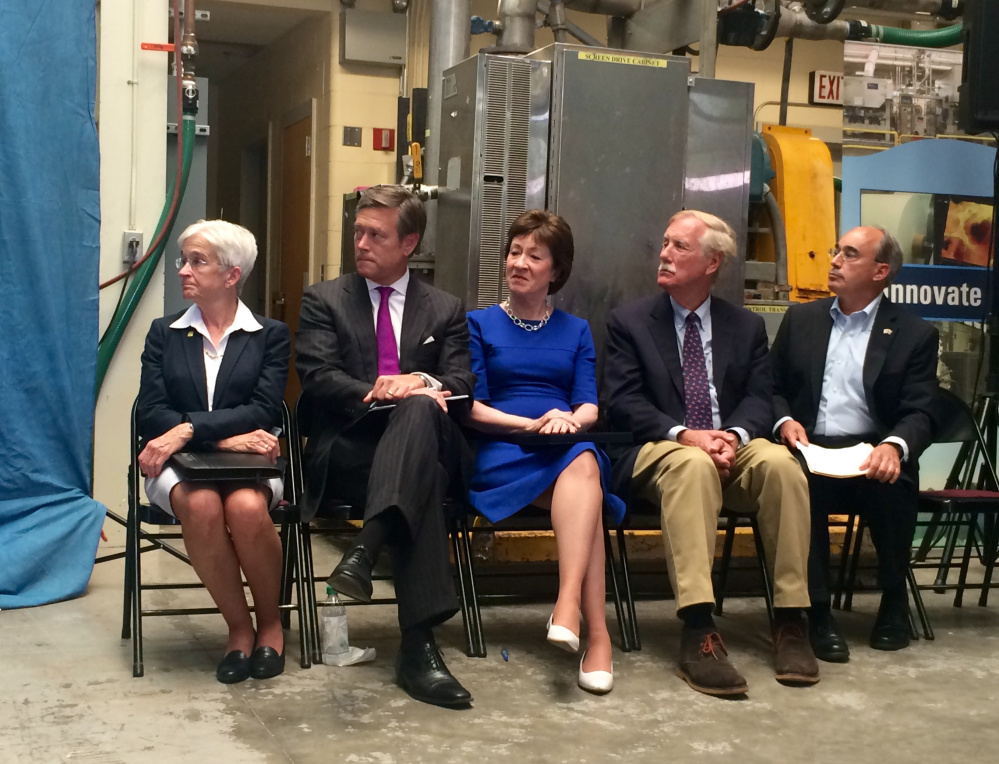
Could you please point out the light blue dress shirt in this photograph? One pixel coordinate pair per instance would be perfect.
(843, 405)
(703, 313)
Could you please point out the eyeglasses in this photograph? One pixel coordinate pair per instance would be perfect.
(849, 255)
(197, 263)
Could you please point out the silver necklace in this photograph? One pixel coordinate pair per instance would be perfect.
(526, 327)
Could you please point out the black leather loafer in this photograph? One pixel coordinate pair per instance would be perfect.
(828, 642)
(421, 672)
(352, 576)
(891, 627)
(266, 662)
(234, 668)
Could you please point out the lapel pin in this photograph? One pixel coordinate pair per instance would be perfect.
(887, 331)
(190, 333)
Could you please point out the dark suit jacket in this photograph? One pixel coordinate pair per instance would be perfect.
(900, 371)
(644, 379)
(337, 362)
(248, 390)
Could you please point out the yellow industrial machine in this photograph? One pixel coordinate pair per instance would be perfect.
(804, 191)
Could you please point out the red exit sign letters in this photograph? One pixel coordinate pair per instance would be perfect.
(825, 88)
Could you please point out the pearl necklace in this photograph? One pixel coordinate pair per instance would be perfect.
(517, 321)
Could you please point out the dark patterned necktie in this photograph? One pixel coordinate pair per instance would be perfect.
(697, 397)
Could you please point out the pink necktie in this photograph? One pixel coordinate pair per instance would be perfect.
(388, 351)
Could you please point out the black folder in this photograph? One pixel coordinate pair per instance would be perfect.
(225, 465)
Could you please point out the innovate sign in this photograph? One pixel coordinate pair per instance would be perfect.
(941, 292)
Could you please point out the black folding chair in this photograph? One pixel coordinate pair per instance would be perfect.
(138, 541)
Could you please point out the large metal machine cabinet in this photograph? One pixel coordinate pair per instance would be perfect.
(600, 137)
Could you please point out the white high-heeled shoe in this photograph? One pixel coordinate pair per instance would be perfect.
(562, 637)
(597, 682)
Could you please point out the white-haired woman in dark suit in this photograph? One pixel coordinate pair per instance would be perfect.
(213, 378)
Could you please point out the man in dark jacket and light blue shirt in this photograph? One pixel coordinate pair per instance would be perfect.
(851, 369)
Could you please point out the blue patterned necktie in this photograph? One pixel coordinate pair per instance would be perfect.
(697, 398)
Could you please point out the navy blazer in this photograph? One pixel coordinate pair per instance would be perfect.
(643, 378)
(336, 356)
(900, 371)
(248, 390)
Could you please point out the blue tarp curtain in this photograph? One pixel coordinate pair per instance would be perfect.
(49, 252)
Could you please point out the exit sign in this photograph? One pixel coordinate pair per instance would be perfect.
(826, 89)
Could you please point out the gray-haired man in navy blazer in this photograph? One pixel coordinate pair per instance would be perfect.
(379, 336)
(850, 369)
(687, 373)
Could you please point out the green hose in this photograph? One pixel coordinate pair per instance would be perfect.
(920, 38)
(140, 281)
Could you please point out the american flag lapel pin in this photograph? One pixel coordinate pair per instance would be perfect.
(887, 331)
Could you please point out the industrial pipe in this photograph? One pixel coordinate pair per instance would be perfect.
(779, 235)
(920, 38)
(794, 22)
(622, 8)
(517, 20)
(948, 9)
(556, 20)
(109, 343)
(573, 29)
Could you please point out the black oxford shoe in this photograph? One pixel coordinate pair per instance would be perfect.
(891, 627)
(234, 668)
(828, 642)
(421, 672)
(352, 576)
(266, 662)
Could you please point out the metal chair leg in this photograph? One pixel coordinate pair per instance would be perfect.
(969, 542)
(480, 640)
(309, 578)
(726, 560)
(629, 597)
(844, 561)
(131, 555)
(917, 600)
(947, 555)
(768, 590)
(618, 609)
(137, 666)
(295, 573)
(459, 564)
(990, 564)
(285, 590)
(858, 544)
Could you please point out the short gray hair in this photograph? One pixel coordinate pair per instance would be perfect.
(718, 236)
(889, 251)
(234, 245)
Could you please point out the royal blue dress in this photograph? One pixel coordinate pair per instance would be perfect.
(528, 374)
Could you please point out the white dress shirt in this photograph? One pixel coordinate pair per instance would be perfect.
(843, 406)
(703, 313)
(397, 306)
(192, 319)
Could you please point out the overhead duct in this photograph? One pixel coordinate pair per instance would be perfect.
(517, 22)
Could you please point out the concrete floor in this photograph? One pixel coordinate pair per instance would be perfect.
(67, 694)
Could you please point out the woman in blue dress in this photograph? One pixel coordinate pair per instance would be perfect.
(535, 374)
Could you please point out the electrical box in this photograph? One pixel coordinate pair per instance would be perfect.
(371, 37)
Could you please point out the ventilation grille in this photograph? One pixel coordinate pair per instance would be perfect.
(504, 164)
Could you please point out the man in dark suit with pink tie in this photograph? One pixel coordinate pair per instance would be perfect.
(381, 337)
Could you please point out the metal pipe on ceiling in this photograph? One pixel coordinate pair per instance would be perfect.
(518, 20)
(607, 7)
(948, 9)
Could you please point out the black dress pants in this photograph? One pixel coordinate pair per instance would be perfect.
(407, 458)
(889, 511)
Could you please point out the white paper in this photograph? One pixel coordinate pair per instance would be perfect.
(836, 462)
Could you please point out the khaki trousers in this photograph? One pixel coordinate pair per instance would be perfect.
(766, 481)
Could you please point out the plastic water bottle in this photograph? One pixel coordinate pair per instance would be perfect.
(333, 621)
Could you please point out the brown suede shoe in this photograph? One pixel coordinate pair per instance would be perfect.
(793, 657)
(704, 664)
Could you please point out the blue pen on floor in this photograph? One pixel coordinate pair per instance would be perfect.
(505, 654)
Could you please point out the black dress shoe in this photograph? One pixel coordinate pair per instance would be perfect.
(421, 672)
(352, 576)
(235, 667)
(891, 627)
(828, 642)
(266, 662)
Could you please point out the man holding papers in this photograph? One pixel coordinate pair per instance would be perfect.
(849, 370)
